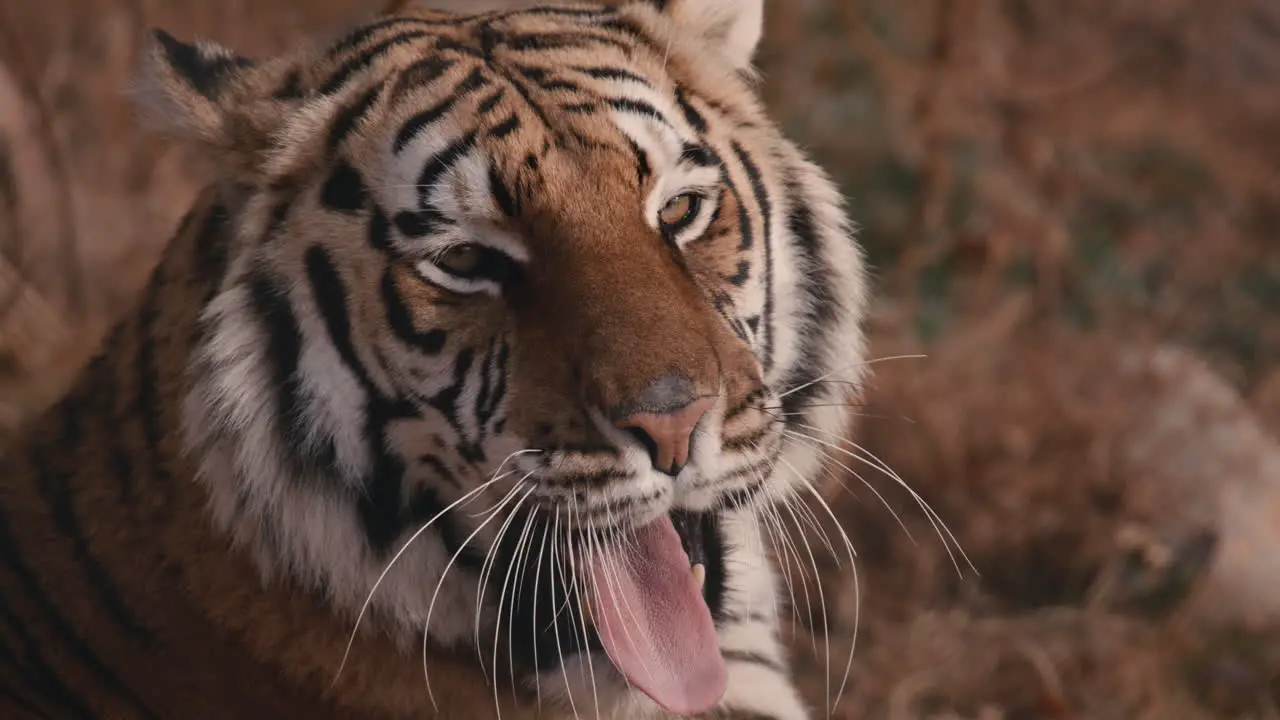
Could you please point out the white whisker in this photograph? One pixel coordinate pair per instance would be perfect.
(426, 634)
(465, 498)
(850, 366)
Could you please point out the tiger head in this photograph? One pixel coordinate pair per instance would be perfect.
(527, 318)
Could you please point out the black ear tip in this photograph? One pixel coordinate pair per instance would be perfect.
(169, 43)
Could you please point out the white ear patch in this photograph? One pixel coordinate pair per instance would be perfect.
(733, 27)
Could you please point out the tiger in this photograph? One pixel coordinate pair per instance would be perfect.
(478, 381)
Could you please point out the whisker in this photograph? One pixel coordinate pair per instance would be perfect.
(782, 546)
(497, 628)
(482, 583)
(555, 622)
(578, 589)
(939, 525)
(860, 363)
(857, 603)
(814, 444)
(521, 559)
(822, 600)
(465, 498)
(502, 596)
(537, 577)
(426, 634)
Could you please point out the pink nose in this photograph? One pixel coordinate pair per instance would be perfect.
(667, 434)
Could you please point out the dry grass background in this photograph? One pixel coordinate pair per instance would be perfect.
(1048, 189)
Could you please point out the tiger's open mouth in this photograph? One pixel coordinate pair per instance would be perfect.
(689, 527)
(650, 613)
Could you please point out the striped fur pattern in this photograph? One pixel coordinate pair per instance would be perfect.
(374, 381)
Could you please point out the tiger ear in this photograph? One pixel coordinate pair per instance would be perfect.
(733, 27)
(188, 91)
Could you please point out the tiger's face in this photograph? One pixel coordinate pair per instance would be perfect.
(521, 313)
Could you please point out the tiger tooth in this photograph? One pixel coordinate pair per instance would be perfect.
(700, 575)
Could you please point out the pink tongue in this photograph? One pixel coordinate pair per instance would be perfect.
(653, 622)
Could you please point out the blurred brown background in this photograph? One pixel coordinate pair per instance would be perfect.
(1072, 209)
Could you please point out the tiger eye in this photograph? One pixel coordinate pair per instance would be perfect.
(461, 259)
(679, 212)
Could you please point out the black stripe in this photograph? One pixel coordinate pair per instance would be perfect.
(330, 296)
(72, 642)
(346, 120)
(536, 75)
(292, 87)
(360, 35)
(447, 45)
(691, 116)
(639, 107)
(269, 300)
(426, 504)
(528, 99)
(567, 12)
(212, 247)
(446, 401)
(557, 41)
(507, 203)
(415, 124)
(440, 163)
(815, 285)
(486, 385)
(400, 318)
(506, 127)
(583, 108)
(643, 169)
(422, 223)
(751, 658)
(422, 72)
(379, 230)
(699, 155)
(500, 383)
(279, 214)
(149, 411)
(766, 215)
(10, 697)
(749, 440)
(442, 471)
(554, 85)
(206, 74)
(38, 677)
(489, 103)
(365, 59)
(121, 466)
(380, 504)
(55, 486)
(629, 29)
(344, 190)
(608, 73)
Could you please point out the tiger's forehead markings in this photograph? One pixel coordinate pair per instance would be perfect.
(481, 94)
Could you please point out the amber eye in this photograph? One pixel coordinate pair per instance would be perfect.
(462, 259)
(679, 212)
(471, 261)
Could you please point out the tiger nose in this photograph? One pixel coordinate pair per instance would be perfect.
(666, 434)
